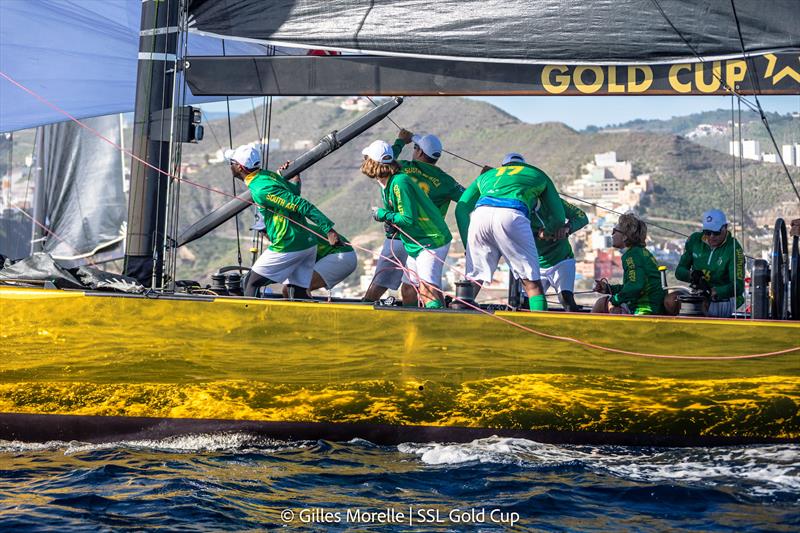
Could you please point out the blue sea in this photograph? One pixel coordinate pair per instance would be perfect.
(241, 482)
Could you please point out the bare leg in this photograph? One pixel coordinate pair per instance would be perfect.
(567, 300)
(409, 295)
(672, 305)
(601, 305)
(535, 292)
(255, 282)
(374, 293)
(296, 292)
(428, 294)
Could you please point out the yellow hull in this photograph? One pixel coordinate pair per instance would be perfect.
(70, 353)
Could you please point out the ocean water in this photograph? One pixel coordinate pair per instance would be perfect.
(241, 482)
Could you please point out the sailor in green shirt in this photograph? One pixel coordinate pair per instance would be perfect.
(293, 249)
(556, 260)
(440, 187)
(493, 217)
(713, 260)
(641, 292)
(420, 225)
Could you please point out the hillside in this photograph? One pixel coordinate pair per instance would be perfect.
(785, 128)
(688, 177)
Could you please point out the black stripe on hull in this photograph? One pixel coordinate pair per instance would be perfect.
(97, 429)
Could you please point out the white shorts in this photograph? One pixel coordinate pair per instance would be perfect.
(387, 273)
(495, 232)
(560, 276)
(722, 309)
(295, 268)
(334, 268)
(427, 266)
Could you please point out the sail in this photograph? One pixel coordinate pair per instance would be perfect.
(541, 31)
(81, 56)
(80, 196)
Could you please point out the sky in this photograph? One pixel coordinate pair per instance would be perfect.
(578, 112)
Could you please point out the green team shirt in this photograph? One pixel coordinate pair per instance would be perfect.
(280, 203)
(325, 249)
(553, 252)
(641, 283)
(440, 186)
(723, 266)
(406, 206)
(518, 182)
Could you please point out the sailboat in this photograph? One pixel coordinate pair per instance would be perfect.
(96, 366)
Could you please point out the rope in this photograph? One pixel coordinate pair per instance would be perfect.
(233, 179)
(464, 302)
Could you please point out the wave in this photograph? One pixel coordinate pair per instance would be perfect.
(761, 470)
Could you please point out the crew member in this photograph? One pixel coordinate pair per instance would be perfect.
(424, 234)
(641, 292)
(334, 262)
(713, 261)
(555, 253)
(440, 187)
(293, 249)
(493, 217)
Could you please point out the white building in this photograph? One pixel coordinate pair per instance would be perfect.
(769, 157)
(751, 149)
(789, 154)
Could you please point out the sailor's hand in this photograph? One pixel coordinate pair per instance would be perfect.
(378, 214)
(405, 135)
(334, 238)
(541, 234)
(485, 169)
(285, 166)
(697, 278)
(561, 233)
(713, 293)
(601, 286)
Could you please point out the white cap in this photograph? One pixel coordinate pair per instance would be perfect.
(379, 151)
(513, 157)
(246, 155)
(714, 219)
(429, 144)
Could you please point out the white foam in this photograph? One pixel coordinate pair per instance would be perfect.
(200, 443)
(763, 470)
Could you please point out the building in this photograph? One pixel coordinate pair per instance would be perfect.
(789, 154)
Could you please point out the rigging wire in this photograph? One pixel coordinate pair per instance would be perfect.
(233, 179)
(753, 81)
(207, 122)
(757, 87)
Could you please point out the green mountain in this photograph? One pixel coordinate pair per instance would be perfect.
(688, 177)
(785, 128)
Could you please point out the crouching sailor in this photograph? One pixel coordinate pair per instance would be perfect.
(555, 254)
(420, 225)
(641, 292)
(493, 220)
(713, 260)
(293, 249)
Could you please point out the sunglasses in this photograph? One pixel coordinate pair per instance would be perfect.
(709, 233)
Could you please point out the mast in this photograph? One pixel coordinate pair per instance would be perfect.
(147, 204)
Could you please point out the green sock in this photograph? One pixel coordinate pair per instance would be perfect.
(537, 303)
(434, 304)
